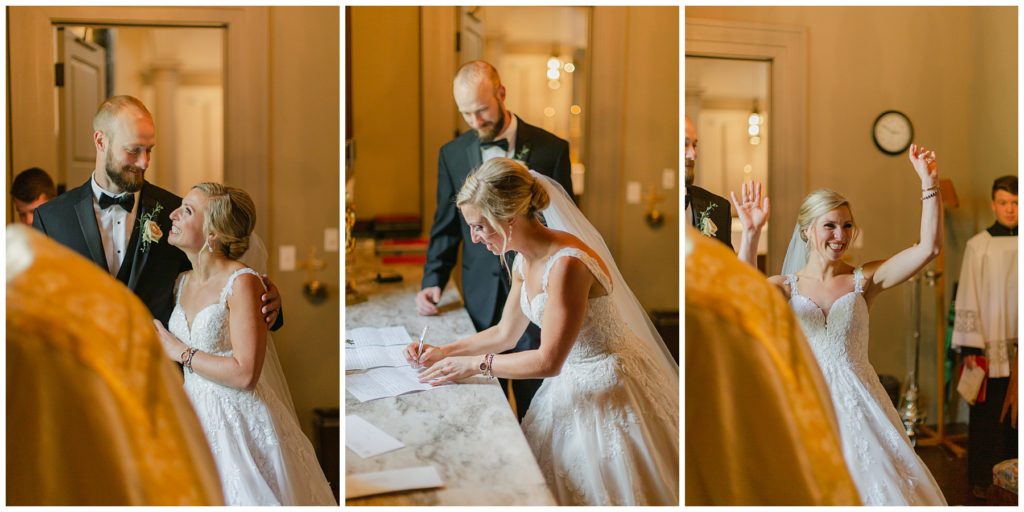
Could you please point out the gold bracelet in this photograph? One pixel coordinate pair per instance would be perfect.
(933, 187)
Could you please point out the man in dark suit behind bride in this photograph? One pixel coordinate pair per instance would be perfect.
(496, 132)
(118, 220)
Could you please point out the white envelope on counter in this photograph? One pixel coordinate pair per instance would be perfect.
(380, 482)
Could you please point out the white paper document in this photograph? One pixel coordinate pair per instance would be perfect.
(970, 383)
(384, 382)
(376, 336)
(373, 357)
(366, 440)
(380, 482)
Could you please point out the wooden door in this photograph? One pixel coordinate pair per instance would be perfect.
(81, 79)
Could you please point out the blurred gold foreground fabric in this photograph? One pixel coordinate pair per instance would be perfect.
(760, 428)
(96, 414)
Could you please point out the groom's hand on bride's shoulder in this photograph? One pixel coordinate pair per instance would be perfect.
(427, 299)
(271, 302)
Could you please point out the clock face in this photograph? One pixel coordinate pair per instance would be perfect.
(893, 132)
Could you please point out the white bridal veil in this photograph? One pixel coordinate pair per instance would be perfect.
(272, 374)
(796, 254)
(563, 215)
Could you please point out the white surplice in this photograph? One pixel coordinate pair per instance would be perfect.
(986, 300)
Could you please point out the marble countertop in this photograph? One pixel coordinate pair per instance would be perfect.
(467, 432)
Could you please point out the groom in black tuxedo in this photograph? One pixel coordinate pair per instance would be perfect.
(107, 219)
(702, 205)
(496, 132)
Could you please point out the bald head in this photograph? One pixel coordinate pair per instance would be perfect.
(114, 108)
(480, 98)
(477, 72)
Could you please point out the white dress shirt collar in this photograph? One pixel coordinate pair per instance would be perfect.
(508, 134)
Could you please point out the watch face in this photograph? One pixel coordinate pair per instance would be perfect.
(893, 132)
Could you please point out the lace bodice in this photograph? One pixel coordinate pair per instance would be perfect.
(841, 337)
(209, 329)
(602, 326)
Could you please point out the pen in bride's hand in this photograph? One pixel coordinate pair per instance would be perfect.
(419, 349)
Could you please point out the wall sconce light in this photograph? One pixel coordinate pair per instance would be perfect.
(314, 289)
(654, 217)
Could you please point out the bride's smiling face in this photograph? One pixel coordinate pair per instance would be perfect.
(831, 234)
(481, 230)
(187, 221)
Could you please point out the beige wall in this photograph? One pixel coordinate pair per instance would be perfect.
(386, 110)
(953, 71)
(305, 170)
(633, 135)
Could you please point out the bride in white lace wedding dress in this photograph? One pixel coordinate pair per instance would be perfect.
(830, 299)
(232, 375)
(604, 425)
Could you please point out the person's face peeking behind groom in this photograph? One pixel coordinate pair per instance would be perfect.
(482, 105)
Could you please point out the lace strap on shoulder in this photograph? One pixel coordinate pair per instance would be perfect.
(517, 266)
(179, 285)
(588, 260)
(858, 279)
(791, 282)
(226, 292)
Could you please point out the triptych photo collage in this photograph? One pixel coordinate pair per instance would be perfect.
(511, 255)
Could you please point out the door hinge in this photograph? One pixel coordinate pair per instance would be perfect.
(458, 41)
(58, 71)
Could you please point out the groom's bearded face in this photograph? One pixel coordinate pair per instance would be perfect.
(126, 176)
(129, 150)
(491, 129)
(482, 108)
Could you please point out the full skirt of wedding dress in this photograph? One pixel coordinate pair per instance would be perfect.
(606, 433)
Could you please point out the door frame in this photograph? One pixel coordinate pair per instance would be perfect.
(32, 138)
(786, 48)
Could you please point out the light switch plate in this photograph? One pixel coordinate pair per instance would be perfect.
(668, 179)
(331, 240)
(287, 257)
(633, 192)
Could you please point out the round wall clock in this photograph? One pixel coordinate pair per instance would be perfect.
(893, 132)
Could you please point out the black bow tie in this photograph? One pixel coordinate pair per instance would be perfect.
(126, 201)
(503, 144)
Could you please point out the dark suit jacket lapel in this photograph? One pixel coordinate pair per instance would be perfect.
(524, 141)
(90, 229)
(698, 203)
(139, 257)
(472, 156)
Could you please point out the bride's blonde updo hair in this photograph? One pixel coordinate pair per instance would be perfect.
(503, 189)
(231, 215)
(819, 203)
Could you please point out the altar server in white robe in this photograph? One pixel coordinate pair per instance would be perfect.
(985, 332)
